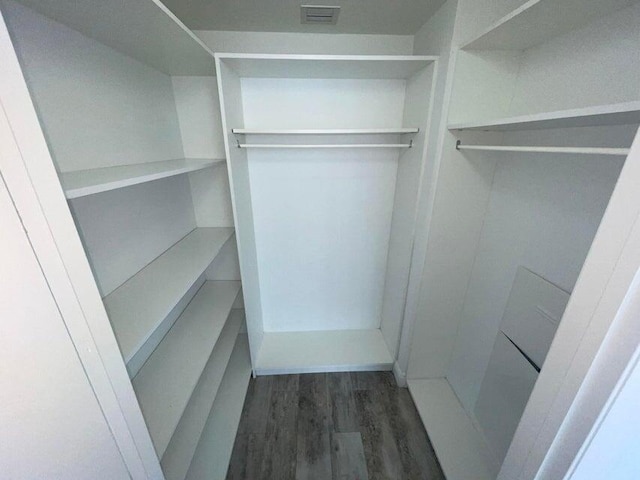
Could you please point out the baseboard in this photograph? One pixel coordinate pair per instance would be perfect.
(401, 377)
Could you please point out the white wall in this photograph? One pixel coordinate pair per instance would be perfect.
(596, 64)
(98, 107)
(542, 214)
(125, 229)
(274, 42)
(50, 422)
(322, 218)
(198, 107)
(613, 450)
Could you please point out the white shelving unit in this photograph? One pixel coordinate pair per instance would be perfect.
(143, 308)
(88, 182)
(143, 29)
(602, 115)
(542, 107)
(211, 458)
(166, 381)
(158, 249)
(181, 449)
(301, 318)
(536, 21)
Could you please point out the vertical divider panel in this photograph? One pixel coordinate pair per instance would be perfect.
(238, 169)
(411, 167)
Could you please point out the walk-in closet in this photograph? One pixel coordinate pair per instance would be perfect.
(424, 214)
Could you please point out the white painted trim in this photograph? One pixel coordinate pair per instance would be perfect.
(399, 375)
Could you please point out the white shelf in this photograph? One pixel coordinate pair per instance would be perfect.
(211, 459)
(322, 351)
(167, 379)
(87, 182)
(335, 131)
(139, 309)
(627, 113)
(327, 145)
(325, 66)
(182, 447)
(460, 448)
(143, 29)
(538, 21)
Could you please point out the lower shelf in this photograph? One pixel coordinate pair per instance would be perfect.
(211, 459)
(182, 446)
(461, 450)
(322, 351)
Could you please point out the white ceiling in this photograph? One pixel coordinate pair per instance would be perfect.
(390, 17)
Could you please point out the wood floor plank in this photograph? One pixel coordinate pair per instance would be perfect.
(314, 420)
(343, 406)
(381, 451)
(293, 426)
(416, 453)
(256, 405)
(373, 381)
(347, 457)
(280, 449)
(286, 382)
(246, 458)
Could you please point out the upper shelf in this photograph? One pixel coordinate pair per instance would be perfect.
(325, 66)
(537, 21)
(627, 113)
(343, 131)
(143, 29)
(87, 182)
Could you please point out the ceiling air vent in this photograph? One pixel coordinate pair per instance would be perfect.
(319, 14)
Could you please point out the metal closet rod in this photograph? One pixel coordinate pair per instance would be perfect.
(326, 145)
(581, 150)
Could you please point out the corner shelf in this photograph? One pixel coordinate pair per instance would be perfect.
(143, 29)
(322, 351)
(460, 448)
(184, 442)
(140, 310)
(88, 182)
(627, 113)
(537, 21)
(335, 131)
(211, 458)
(166, 381)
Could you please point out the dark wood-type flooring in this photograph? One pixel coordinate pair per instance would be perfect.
(336, 426)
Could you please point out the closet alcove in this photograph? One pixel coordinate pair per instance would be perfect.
(121, 99)
(326, 154)
(222, 215)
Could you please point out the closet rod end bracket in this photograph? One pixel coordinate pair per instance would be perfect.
(458, 143)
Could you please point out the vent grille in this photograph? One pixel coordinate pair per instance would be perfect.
(319, 14)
